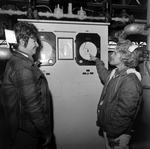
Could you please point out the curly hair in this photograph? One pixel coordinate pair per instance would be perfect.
(25, 30)
(130, 59)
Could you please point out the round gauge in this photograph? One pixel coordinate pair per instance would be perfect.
(87, 48)
(46, 51)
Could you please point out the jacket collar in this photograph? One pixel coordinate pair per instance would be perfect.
(116, 73)
(24, 56)
(121, 72)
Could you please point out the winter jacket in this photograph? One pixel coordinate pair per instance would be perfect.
(26, 97)
(120, 100)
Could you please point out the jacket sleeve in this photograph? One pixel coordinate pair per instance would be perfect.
(102, 71)
(124, 108)
(29, 91)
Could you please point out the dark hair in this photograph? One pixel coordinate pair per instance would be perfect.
(25, 30)
(130, 59)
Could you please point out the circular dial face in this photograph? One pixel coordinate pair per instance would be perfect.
(46, 51)
(87, 48)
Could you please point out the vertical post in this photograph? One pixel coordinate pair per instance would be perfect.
(124, 12)
(148, 22)
(123, 2)
(145, 67)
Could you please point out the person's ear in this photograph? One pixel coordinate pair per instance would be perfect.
(22, 42)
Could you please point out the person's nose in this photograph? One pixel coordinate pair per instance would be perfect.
(111, 55)
(37, 45)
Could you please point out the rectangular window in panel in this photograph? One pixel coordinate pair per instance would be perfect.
(65, 48)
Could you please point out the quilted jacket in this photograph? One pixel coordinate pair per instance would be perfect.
(120, 100)
(26, 97)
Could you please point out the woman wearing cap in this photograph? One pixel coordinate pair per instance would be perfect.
(121, 96)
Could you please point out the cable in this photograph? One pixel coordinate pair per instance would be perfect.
(2, 42)
(138, 2)
(44, 6)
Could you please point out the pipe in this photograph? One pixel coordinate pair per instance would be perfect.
(148, 22)
(5, 53)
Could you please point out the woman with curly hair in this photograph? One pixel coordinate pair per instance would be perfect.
(121, 96)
